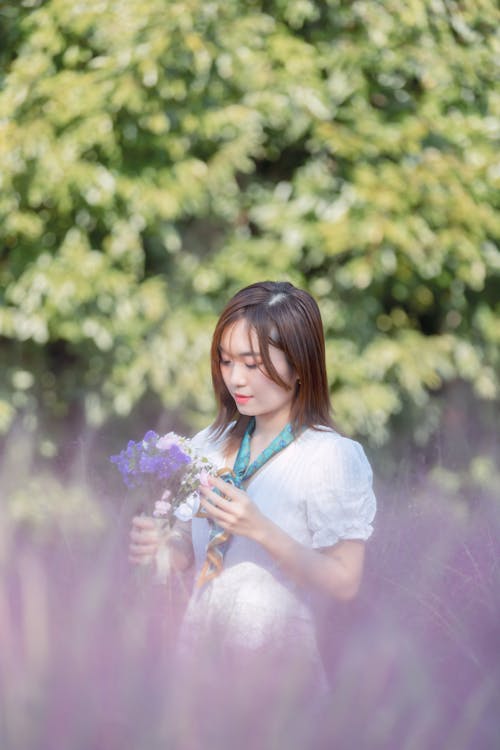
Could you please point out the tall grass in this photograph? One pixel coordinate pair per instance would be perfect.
(88, 647)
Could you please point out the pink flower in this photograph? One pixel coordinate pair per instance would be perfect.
(203, 478)
(166, 496)
(161, 508)
(167, 441)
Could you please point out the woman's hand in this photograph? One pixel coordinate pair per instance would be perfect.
(335, 570)
(144, 541)
(235, 512)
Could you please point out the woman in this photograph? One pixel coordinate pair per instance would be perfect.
(296, 518)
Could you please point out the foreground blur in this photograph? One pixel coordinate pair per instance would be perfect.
(88, 649)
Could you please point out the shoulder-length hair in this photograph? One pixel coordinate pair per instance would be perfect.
(289, 319)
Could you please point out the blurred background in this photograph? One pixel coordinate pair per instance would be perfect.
(156, 156)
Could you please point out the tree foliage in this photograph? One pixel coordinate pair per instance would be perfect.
(156, 156)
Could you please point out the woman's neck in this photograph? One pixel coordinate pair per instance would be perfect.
(267, 427)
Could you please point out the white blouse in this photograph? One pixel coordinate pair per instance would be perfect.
(319, 490)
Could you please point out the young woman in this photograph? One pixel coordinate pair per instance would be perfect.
(295, 519)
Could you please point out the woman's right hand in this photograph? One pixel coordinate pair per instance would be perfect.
(144, 540)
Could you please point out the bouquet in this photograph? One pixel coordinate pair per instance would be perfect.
(171, 470)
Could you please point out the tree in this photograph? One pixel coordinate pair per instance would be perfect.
(156, 156)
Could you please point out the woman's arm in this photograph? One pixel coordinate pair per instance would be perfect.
(335, 570)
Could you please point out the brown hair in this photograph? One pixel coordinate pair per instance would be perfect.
(288, 318)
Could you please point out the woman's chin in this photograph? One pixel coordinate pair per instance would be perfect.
(245, 410)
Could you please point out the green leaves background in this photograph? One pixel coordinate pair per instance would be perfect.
(156, 156)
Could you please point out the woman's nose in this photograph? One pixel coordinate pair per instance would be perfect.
(238, 374)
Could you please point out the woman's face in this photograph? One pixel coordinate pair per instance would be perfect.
(254, 392)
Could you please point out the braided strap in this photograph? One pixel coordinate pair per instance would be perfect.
(218, 538)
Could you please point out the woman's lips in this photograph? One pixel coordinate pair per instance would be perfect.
(241, 399)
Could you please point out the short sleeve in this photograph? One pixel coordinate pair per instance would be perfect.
(342, 504)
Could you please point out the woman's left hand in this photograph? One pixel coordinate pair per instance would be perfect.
(235, 512)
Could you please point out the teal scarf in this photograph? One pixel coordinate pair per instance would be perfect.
(219, 539)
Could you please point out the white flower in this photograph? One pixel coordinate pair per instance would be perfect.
(186, 510)
(167, 441)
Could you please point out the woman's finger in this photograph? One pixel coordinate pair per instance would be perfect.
(140, 559)
(216, 499)
(225, 487)
(143, 549)
(143, 522)
(216, 513)
(144, 537)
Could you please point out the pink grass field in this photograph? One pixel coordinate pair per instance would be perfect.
(88, 649)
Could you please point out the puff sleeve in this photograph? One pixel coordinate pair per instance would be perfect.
(342, 504)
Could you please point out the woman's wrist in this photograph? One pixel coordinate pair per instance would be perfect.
(266, 533)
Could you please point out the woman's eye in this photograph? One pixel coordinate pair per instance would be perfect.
(251, 367)
(225, 362)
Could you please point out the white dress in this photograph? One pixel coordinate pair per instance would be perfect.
(319, 490)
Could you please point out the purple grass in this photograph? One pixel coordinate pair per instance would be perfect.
(88, 650)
